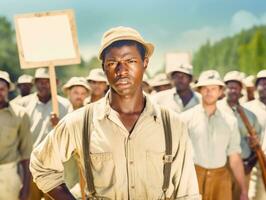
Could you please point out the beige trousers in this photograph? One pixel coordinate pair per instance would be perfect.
(256, 186)
(10, 182)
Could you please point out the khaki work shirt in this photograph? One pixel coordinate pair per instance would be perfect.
(39, 114)
(213, 138)
(15, 136)
(245, 149)
(170, 99)
(125, 166)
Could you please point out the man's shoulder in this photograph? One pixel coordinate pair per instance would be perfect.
(26, 100)
(63, 101)
(163, 95)
(18, 110)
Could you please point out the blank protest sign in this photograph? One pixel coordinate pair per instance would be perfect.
(45, 38)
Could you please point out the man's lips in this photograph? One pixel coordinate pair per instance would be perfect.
(122, 81)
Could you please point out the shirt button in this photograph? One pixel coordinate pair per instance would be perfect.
(208, 173)
(131, 162)
(133, 187)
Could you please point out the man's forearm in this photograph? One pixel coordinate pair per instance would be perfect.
(61, 192)
(26, 175)
(236, 165)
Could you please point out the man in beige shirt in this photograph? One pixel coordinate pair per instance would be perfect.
(181, 97)
(127, 145)
(215, 137)
(15, 145)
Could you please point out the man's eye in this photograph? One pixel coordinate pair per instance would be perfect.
(110, 64)
(131, 61)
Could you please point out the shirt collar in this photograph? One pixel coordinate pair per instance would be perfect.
(103, 107)
(10, 109)
(217, 112)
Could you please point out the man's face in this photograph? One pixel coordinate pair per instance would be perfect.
(43, 87)
(77, 95)
(233, 90)
(98, 88)
(261, 87)
(210, 94)
(124, 69)
(181, 80)
(3, 91)
(25, 88)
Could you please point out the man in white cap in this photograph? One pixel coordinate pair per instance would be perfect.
(215, 137)
(128, 148)
(181, 97)
(77, 90)
(160, 83)
(39, 108)
(98, 84)
(234, 86)
(15, 145)
(258, 107)
(24, 84)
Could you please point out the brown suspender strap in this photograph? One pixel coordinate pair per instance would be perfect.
(86, 149)
(168, 158)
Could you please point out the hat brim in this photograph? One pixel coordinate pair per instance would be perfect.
(179, 70)
(208, 83)
(67, 87)
(149, 47)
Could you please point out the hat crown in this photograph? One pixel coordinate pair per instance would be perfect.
(234, 76)
(42, 73)
(4, 75)
(25, 78)
(210, 75)
(97, 75)
(261, 74)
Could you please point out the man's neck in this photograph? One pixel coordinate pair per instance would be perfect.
(3, 104)
(127, 104)
(263, 100)
(44, 99)
(96, 97)
(185, 95)
(210, 109)
(232, 103)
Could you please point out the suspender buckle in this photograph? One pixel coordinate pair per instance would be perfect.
(167, 158)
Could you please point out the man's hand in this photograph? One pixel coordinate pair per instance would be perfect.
(24, 191)
(23, 194)
(244, 195)
(61, 192)
(253, 141)
(54, 119)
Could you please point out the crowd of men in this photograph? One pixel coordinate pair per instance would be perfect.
(212, 156)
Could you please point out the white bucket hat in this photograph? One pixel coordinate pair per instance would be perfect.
(261, 74)
(234, 76)
(178, 62)
(42, 73)
(209, 77)
(76, 81)
(25, 78)
(5, 76)
(159, 79)
(97, 75)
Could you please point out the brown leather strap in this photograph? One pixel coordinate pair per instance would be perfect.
(168, 158)
(86, 149)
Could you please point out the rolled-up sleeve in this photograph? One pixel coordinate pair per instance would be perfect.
(47, 158)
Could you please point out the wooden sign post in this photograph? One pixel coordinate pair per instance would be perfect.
(47, 39)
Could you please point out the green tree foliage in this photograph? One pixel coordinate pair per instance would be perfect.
(245, 51)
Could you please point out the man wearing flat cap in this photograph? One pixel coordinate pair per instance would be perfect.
(181, 97)
(231, 104)
(15, 145)
(127, 151)
(215, 137)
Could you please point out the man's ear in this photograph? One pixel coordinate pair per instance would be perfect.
(146, 62)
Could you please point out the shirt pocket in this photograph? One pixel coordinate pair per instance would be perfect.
(103, 169)
(155, 171)
(8, 136)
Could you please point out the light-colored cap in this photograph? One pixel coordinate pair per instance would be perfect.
(25, 78)
(123, 33)
(209, 77)
(249, 81)
(76, 81)
(178, 62)
(42, 73)
(159, 79)
(233, 76)
(146, 79)
(261, 74)
(97, 75)
(5, 76)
